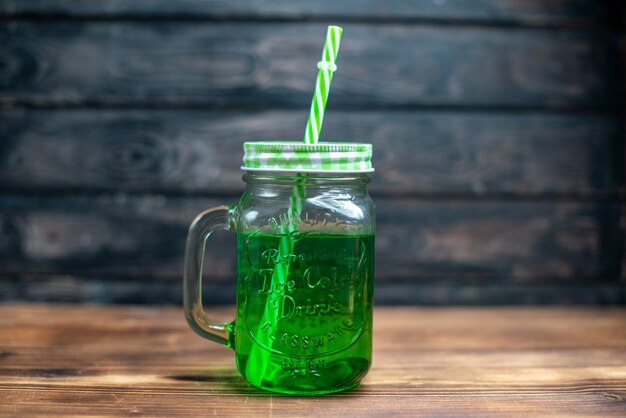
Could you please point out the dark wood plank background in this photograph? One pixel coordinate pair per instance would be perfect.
(498, 128)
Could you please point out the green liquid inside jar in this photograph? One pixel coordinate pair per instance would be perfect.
(304, 317)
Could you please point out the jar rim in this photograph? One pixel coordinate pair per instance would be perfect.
(259, 176)
(306, 171)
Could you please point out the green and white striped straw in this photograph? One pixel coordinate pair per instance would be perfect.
(258, 358)
(326, 68)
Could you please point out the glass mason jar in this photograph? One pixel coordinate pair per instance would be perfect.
(305, 269)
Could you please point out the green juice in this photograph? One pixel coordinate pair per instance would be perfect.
(304, 317)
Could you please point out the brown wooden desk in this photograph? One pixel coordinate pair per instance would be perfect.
(125, 361)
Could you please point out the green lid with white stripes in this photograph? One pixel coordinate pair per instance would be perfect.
(323, 157)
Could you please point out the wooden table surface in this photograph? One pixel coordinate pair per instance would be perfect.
(119, 361)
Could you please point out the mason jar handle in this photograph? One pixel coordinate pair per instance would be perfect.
(201, 228)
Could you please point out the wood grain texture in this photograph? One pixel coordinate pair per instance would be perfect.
(260, 65)
(426, 153)
(528, 12)
(497, 126)
(94, 361)
(167, 290)
(421, 241)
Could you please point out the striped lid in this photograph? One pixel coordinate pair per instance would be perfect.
(327, 157)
